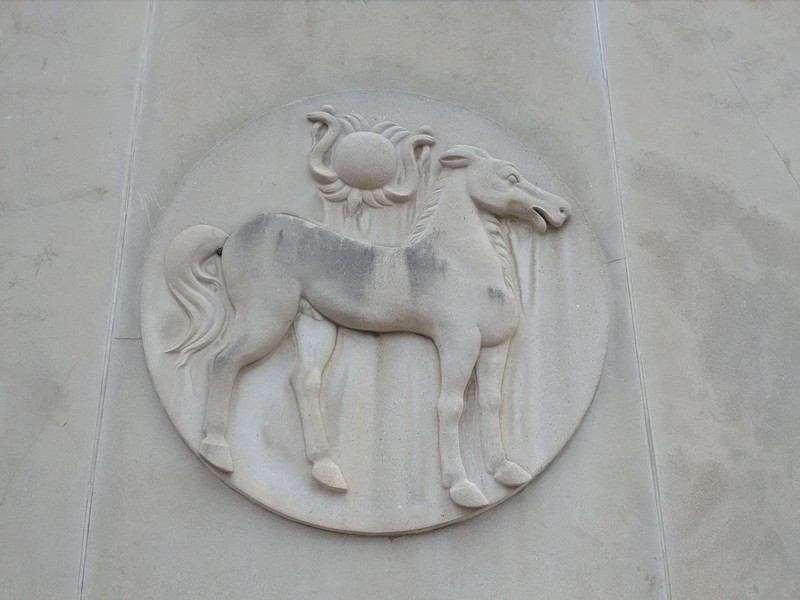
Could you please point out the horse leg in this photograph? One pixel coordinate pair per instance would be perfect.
(489, 372)
(457, 358)
(315, 342)
(252, 338)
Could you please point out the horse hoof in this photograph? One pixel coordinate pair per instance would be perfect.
(511, 474)
(328, 474)
(467, 494)
(217, 453)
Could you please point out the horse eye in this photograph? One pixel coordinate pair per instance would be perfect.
(512, 178)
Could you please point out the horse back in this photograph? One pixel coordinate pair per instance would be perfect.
(356, 284)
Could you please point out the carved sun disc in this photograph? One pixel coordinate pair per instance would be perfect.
(365, 160)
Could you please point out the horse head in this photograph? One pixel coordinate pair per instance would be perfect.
(497, 187)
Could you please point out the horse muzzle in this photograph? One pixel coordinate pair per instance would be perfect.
(545, 208)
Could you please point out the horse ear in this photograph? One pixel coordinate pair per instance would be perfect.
(455, 158)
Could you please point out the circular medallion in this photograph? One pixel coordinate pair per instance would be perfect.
(388, 330)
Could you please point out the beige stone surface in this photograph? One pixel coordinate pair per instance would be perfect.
(68, 73)
(699, 387)
(705, 100)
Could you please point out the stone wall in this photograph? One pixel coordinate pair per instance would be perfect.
(674, 126)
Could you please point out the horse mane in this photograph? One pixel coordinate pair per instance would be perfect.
(491, 224)
(497, 236)
(431, 204)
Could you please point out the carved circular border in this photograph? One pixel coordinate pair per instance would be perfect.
(263, 167)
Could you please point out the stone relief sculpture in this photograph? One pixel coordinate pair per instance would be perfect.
(377, 166)
(382, 331)
(453, 282)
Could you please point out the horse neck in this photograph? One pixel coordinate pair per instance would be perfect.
(451, 211)
(448, 208)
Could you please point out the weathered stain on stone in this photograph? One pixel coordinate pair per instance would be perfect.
(343, 259)
(497, 295)
(423, 265)
(253, 230)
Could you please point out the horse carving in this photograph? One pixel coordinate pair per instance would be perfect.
(452, 282)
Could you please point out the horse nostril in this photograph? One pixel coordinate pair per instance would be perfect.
(563, 210)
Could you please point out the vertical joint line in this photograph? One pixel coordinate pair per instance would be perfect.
(119, 252)
(634, 321)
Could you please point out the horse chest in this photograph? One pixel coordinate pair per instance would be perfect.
(499, 314)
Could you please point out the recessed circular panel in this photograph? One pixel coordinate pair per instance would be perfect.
(309, 340)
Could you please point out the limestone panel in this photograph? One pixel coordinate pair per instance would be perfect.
(68, 72)
(705, 97)
(586, 527)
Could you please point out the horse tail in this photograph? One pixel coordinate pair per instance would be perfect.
(193, 270)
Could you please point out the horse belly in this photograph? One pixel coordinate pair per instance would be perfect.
(381, 305)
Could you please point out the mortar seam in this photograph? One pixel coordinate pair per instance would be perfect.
(119, 253)
(633, 316)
